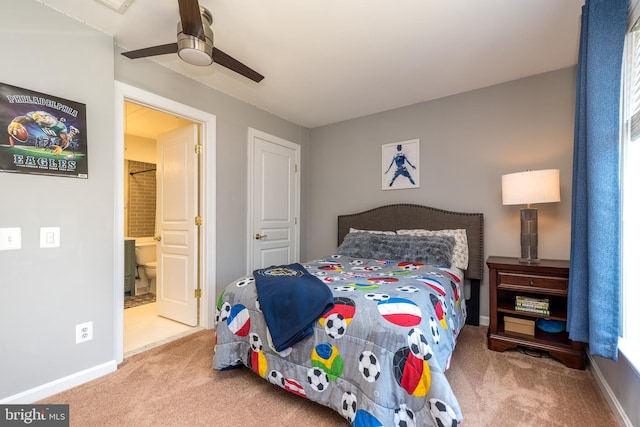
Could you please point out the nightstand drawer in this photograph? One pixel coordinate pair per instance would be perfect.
(531, 281)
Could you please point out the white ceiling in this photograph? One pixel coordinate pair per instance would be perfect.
(325, 61)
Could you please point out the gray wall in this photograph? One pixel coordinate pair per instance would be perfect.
(467, 142)
(44, 293)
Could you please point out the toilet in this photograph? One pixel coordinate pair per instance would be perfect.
(146, 262)
(150, 272)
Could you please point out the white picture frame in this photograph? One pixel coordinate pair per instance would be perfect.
(401, 165)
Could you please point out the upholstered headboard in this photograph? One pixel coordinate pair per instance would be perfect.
(410, 216)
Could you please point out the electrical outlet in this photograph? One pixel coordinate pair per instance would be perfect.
(84, 332)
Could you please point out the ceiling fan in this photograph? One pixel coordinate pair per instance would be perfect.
(195, 42)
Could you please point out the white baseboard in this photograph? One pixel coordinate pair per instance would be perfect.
(484, 320)
(49, 389)
(608, 394)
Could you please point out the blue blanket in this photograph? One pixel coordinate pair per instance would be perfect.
(291, 300)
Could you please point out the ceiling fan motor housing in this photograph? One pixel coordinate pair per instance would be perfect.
(193, 49)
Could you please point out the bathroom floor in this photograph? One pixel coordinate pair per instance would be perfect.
(144, 329)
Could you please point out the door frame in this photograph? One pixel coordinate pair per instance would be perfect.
(250, 190)
(207, 261)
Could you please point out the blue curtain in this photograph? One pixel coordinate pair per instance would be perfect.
(594, 278)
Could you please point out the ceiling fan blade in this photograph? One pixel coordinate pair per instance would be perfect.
(190, 18)
(152, 51)
(219, 57)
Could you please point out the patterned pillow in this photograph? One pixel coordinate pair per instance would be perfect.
(432, 250)
(460, 255)
(355, 245)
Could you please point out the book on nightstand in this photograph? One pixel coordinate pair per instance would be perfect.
(532, 305)
(533, 310)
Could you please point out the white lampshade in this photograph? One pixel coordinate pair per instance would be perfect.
(525, 188)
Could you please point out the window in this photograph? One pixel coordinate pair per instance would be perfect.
(629, 342)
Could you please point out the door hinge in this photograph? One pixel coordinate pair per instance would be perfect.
(198, 220)
(197, 293)
(296, 169)
(295, 220)
(198, 149)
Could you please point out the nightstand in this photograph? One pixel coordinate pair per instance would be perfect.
(548, 280)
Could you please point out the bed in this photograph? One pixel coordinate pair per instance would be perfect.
(391, 299)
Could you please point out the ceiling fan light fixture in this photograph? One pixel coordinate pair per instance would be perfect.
(195, 51)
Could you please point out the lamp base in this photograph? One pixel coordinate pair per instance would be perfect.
(529, 236)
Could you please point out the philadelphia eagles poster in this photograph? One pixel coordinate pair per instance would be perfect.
(45, 134)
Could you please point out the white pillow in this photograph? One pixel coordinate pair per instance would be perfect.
(388, 233)
(460, 255)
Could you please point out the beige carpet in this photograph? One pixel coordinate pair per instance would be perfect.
(174, 385)
(515, 389)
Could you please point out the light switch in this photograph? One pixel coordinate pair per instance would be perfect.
(49, 237)
(10, 238)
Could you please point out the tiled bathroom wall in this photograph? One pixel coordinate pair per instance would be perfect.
(142, 199)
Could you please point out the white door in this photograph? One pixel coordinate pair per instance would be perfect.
(175, 218)
(274, 205)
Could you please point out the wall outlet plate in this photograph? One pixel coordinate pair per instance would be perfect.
(84, 332)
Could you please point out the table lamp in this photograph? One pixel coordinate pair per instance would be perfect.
(527, 188)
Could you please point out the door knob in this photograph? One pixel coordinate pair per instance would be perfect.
(260, 236)
(157, 237)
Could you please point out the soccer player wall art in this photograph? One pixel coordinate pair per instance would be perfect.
(45, 134)
(400, 165)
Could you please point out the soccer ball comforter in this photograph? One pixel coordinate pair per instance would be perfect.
(378, 357)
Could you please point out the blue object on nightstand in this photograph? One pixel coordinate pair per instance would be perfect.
(551, 326)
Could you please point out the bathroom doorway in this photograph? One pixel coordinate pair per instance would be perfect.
(144, 117)
(144, 323)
